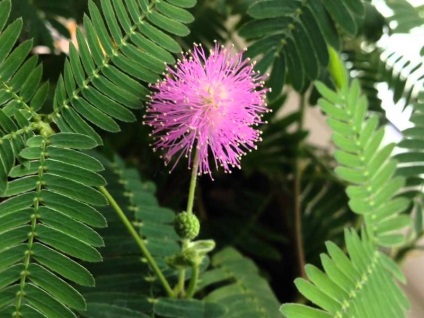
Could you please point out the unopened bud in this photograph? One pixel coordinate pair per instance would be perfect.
(187, 225)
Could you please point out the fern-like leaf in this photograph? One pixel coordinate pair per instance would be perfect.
(46, 225)
(127, 43)
(351, 286)
(365, 164)
(292, 37)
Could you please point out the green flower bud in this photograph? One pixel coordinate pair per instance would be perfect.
(187, 225)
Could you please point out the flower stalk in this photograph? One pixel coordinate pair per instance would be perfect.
(193, 180)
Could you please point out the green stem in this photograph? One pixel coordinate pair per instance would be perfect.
(193, 179)
(193, 281)
(138, 240)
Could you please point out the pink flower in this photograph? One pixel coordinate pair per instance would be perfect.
(210, 104)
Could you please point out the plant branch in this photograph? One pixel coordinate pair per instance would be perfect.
(297, 194)
(138, 240)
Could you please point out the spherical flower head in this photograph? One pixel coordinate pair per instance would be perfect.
(208, 105)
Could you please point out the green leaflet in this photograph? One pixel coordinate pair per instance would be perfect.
(13, 237)
(172, 11)
(75, 190)
(8, 38)
(75, 209)
(168, 24)
(70, 226)
(74, 173)
(67, 244)
(62, 265)
(4, 13)
(74, 157)
(15, 59)
(46, 303)
(56, 286)
(183, 3)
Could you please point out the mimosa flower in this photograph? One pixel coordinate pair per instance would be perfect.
(210, 104)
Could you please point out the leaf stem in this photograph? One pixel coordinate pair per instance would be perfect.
(193, 281)
(139, 241)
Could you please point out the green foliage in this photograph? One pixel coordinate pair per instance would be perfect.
(51, 180)
(351, 286)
